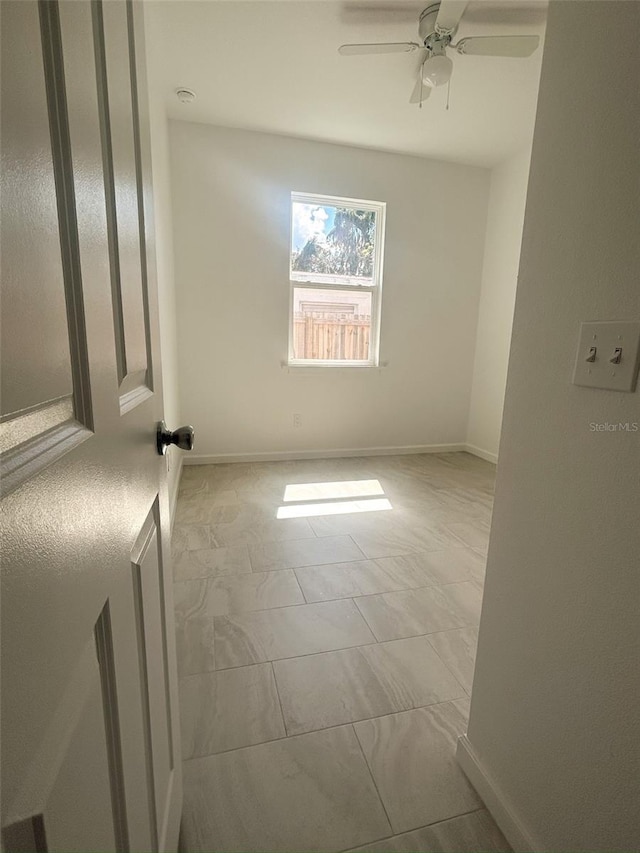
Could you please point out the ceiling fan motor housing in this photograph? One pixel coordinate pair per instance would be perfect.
(435, 42)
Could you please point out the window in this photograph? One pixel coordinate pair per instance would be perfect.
(336, 276)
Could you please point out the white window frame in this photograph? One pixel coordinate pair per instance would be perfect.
(319, 281)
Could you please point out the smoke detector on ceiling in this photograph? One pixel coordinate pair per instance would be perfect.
(185, 96)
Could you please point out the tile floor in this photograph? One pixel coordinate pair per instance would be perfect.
(326, 657)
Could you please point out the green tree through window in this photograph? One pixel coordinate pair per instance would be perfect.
(347, 249)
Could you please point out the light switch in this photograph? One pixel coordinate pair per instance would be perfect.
(608, 355)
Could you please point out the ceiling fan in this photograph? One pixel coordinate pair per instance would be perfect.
(436, 28)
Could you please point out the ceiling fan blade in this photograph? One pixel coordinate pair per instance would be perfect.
(449, 15)
(423, 55)
(420, 92)
(498, 45)
(383, 47)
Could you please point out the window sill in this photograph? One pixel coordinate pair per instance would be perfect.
(317, 368)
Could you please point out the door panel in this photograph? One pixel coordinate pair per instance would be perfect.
(74, 780)
(115, 49)
(89, 688)
(30, 218)
(148, 585)
(103, 632)
(45, 395)
(73, 816)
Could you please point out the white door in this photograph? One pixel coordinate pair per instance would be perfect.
(90, 743)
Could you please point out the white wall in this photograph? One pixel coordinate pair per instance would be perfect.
(231, 193)
(554, 712)
(159, 128)
(497, 298)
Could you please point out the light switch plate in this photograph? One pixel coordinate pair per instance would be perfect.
(606, 337)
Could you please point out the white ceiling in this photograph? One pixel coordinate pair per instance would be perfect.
(273, 66)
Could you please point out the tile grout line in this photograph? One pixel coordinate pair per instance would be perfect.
(386, 592)
(210, 579)
(220, 575)
(295, 657)
(300, 587)
(333, 565)
(417, 829)
(213, 641)
(378, 640)
(238, 748)
(275, 572)
(363, 720)
(390, 592)
(275, 684)
(364, 558)
(373, 780)
(249, 556)
(286, 607)
(293, 736)
(446, 665)
(258, 543)
(350, 535)
(323, 652)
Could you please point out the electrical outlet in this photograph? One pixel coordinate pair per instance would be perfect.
(297, 421)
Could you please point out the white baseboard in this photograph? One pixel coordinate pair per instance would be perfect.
(173, 497)
(287, 455)
(494, 799)
(483, 454)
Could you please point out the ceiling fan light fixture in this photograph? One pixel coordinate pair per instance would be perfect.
(436, 71)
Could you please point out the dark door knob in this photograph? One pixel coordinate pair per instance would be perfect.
(181, 437)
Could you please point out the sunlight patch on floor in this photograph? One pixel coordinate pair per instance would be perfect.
(330, 491)
(333, 508)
